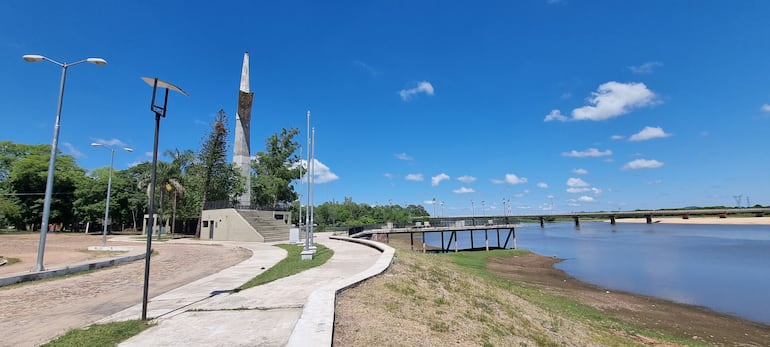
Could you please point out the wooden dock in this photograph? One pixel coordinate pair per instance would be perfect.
(450, 243)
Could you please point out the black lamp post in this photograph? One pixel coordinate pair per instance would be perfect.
(160, 111)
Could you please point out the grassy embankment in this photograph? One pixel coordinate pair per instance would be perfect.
(435, 299)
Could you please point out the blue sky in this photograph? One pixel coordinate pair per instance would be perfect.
(529, 106)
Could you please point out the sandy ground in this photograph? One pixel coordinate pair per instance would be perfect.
(35, 312)
(713, 220)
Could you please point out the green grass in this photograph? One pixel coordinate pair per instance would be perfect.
(11, 261)
(475, 263)
(290, 265)
(17, 232)
(97, 335)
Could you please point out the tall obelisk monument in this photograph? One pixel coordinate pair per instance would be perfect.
(242, 146)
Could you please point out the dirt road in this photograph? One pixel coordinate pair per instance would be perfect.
(36, 312)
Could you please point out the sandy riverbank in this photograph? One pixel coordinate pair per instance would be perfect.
(711, 220)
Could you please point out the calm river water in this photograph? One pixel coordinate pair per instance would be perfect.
(725, 268)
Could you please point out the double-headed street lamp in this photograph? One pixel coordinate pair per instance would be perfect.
(109, 186)
(33, 58)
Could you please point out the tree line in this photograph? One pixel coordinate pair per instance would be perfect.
(184, 184)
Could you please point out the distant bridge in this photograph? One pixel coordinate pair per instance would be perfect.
(613, 215)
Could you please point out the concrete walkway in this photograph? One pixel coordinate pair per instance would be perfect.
(294, 311)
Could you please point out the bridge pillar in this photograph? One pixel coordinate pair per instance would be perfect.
(648, 217)
(612, 220)
(542, 222)
(723, 215)
(577, 221)
(686, 216)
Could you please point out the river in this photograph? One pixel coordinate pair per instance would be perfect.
(723, 267)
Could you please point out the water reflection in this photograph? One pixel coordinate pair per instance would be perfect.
(721, 267)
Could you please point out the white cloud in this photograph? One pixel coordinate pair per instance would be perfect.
(577, 183)
(580, 171)
(388, 175)
(585, 198)
(372, 71)
(435, 180)
(591, 152)
(422, 87)
(111, 142)
(72, 150)
(617, 137)
(613, 99)
(555, 115)
(522, 194)
(565, 95)
(403, 156)
(646, 68)
(414, 177)
(574, 190)
(513, 179)
(463, 190)
(542, 185)
(649, 133)
(765, 108)
(322, 172)
(642, 164)
(466, 179)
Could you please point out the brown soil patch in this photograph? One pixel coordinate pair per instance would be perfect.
(61, 249)
(658, 315)
(35, 312)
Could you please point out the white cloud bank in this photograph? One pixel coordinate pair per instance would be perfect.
(403, 156)
(614, 99)
(436, 180)
(511, 179)
(542, 185)
(463, 190)
(642, 164)
(322, 172)
(422, 87)
(646, 68)
(580, 171)
(591, 152)
(414, 177)
(466, 179)
(649, 133)
(765, 108)
(611, 99)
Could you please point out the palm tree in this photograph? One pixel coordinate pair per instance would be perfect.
(168, 177)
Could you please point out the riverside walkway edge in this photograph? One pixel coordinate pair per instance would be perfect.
(297, 310)
(316, 325)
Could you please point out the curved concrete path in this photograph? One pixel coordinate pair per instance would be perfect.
(294, 311)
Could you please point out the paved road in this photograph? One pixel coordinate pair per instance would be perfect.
(36, 312)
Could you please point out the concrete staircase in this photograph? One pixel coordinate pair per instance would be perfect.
(263, 223)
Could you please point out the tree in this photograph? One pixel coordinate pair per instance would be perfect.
(216, 178)
(27, 179)
(275, 168)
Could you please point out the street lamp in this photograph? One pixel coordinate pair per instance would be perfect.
(33, 58)
(109, 186)
(434, 208)
(160, 111)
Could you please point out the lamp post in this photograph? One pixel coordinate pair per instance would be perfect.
(109, 187)
(33, 58)
(160, 111)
